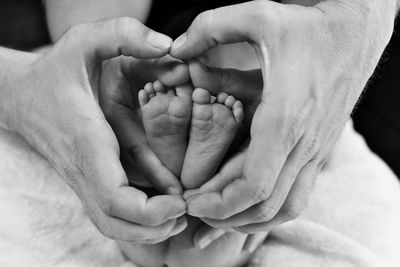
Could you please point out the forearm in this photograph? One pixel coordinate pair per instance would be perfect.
(64, 14)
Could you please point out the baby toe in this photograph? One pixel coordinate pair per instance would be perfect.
(149, 89)
(221, 97)
(201, 96)
(159, 87)
(230, 101)
(143, 97)
(237, 110)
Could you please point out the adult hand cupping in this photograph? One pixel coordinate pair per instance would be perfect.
(51, 101)
(315, 63)
(121, 80)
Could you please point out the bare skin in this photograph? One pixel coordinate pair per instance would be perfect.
(213, 127)
(166, 118)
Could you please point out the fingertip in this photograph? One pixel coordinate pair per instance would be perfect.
(178, 44)
(180, 225)
(193, 207)
(190, 193)
(205, 238)
(159, 41)
(173, 191)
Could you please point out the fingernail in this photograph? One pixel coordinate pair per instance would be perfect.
(180, 225)
(173, 191)
(205, 241)
(193, 213)
(158, 40)
(252, 246)
(190, 193)
(178, 43)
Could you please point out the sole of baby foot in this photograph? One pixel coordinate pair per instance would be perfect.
(213, 127)
(166, 114)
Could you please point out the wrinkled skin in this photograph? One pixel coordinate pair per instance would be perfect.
(315, 62)
(61, 119)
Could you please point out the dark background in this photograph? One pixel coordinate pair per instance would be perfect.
(376, 117)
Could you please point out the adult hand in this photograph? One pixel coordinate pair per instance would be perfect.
(52, 102)
(315, 62)
(122, 78)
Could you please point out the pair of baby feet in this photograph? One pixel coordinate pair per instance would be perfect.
(189, 130)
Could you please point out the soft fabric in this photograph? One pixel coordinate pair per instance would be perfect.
(352, 219)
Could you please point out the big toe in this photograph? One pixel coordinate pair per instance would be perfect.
(201, 96)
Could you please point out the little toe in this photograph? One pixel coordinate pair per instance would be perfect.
(230, 101)
(150, 90)
(237, 110)
(201, 96)
(143, 97)
(159, 87)
(221, 97)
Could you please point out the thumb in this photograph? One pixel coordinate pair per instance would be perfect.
(244, 85)
(249, 22)
(111, 38)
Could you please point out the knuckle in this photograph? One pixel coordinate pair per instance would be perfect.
(72, 174)
(121, 29)
(265, 213)
(205, 20)
(294, 129)
(293, 211)
(136, 152)
(106, 229)
(266, 14)
(122, 26)
(312, 146)
(261, 193)
(75, 31)
(107, 206)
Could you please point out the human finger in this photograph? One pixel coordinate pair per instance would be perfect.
(206, 234)
(267, 209)
(108, 185)
(295, 202)
(230, 24)
(118, 229)
(244, 85)
(111, 38)
(254, 241)
(255, 185)
(231, 170)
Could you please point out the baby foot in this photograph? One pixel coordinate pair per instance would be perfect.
(212, 130)
(166, 116)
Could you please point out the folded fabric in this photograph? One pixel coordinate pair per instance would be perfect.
(351, 220)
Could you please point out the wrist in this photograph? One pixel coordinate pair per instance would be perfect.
(360, 29)
(374, 15)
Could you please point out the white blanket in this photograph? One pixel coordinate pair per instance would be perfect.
(353, 216)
